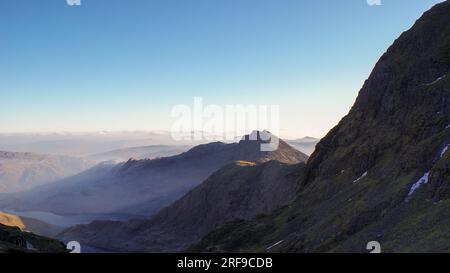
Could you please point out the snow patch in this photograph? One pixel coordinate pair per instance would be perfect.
(420, 182)
(437, 80)
(274, 245)
(361, 177)
(444, 150)
(425, 177)
(447, 127)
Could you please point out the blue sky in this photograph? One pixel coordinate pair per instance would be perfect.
(123, 65)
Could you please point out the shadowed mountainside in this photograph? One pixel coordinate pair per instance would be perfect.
(241, 190)
(383, 172)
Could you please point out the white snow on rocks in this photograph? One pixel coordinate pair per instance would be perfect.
(274, 245)
(424, 178)
(437, 80)
(444, 150)
(361, 177)
(420, 182)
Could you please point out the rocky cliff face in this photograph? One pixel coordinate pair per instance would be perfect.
(383, 172)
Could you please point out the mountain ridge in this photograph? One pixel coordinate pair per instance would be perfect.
(382, 174)
(148, 185)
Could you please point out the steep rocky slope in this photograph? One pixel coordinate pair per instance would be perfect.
(142, 187)
(241, 190)
(383, 172)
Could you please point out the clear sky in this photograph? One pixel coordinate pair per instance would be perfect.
(123, 65)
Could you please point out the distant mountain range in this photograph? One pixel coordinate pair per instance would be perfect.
(142, 152)
(142, 187)
(86, 144)
(305, 145)
(106, 146)
(90, 143)
(23, 171)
